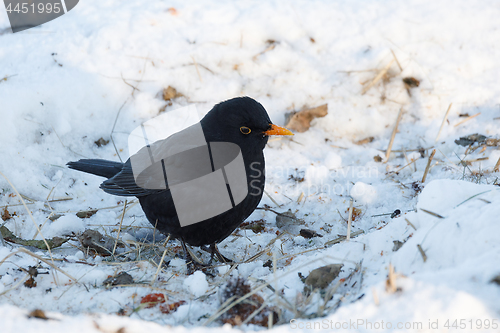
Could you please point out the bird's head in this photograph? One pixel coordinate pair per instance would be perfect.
(241, 120)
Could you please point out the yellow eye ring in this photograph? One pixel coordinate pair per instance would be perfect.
(245, 130)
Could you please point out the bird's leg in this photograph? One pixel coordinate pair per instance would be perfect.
(190, 261)
(209, 250)
(215, 250)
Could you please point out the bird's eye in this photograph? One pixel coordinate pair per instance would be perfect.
(245, 130)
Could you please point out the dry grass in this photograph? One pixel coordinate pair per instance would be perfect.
(394, 131)
(442, 123)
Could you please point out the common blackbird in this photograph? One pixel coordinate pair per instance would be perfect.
(241, 121)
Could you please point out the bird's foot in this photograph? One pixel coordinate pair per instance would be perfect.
(214, 251)
(193, 264)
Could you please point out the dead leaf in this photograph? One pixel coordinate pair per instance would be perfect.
(301, 121)
(150, 300)
(170, 93)
(119, 279)
(470, 139)
(173, 11)
(40, 244)
(322, 276)
(397, 245)
(86, 214)
(101, 142)
(307, 233)
(240, 312)
(287, 218)
(255, 226)
(364, 141)
(95, 241)
(37, 313)
(6, 215)
(168, 308)
(411, 82)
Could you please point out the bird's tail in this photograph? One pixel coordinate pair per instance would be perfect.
(97, 167)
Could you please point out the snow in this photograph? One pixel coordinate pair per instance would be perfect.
(64, 225)
(196, 284)
(364, 193)
(69, 82)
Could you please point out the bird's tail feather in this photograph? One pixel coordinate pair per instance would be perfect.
(97, 167)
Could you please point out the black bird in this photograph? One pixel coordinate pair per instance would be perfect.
(241, 121)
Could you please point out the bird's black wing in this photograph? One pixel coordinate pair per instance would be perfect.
(124, 184)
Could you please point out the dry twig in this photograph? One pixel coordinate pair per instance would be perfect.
(424, 256)
(394, 131)
(431, 156)
(378, 77)
(467, 119)
(349, 221)
(444, 120)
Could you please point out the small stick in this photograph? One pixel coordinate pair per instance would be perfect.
(161, 262)
(435, 214)
(341, 238)
(467, 119)
(497, 166)
(375, 297)
(349, 222)
(397, 62)
(390, 283)
(444, 120)
(120, 227)
(412, 161)
(428, 165)
(378, 77)
(410, 224)
(197, 70)
(422, 252)
(407, 150)
(302, 196)
(394, 131)
(477, 159)
(270, 197)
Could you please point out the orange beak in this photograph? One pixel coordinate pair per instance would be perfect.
(276, 130)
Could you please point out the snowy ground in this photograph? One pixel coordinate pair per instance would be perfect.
(66, 81)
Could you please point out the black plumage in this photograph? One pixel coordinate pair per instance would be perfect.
(228, 121)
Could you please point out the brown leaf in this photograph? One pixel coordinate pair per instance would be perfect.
(101, 142)
(170, 93)
(152, 299)
(37, 313)
(307, 233)
(95, 241)
(30, 283)
(255, 226)
(356, 213)
(411, 82)
(287, 218)
(86, 214)
(168, 308)
(119, 279)
(301, 121)
(322, 276)
(365, 140)
(6, 215)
